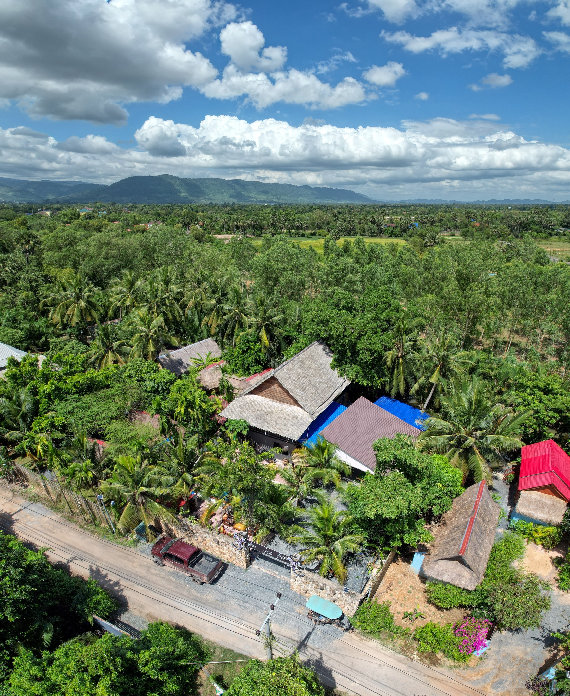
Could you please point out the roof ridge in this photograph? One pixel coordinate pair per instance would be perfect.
(472, 519)
(293, 357)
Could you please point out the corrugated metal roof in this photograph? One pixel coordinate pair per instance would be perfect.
(355, 430)
(408, 414)
(311, 434)
(7, 351)
(545, 464)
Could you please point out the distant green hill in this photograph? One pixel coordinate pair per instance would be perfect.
(172, 189)
(21, 191)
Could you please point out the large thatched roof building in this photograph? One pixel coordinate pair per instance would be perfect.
(461, 549)
(285, 401)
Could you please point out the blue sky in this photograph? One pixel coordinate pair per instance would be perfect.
(398, 99)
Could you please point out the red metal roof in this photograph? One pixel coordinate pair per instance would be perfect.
(545, 464)
(471, 522)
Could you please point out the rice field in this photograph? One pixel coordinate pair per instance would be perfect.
(317, 243)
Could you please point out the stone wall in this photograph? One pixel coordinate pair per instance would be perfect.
(378, 574)
(219, 545)
(307, 584)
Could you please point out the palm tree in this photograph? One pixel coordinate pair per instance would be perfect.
(17, 413)
(85, 463)
(73, 302)
(136, 484)
(265, 320)
(328, 539)
(311, 466)
(125, 293)
(399, 357)
(439, 360)
(474, 434)
(229, 318)
(150, 337)
(107, 348)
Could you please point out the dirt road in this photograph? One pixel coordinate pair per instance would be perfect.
(229, 611)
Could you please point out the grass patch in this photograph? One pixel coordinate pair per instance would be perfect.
(317, 243)
(223, 674)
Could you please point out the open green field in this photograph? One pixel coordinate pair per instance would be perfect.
(317, 243)
(556, 246)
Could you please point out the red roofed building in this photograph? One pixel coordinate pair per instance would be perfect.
(545, 467)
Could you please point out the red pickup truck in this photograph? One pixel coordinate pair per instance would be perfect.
(201, 567)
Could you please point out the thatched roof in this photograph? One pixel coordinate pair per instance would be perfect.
(309, 378)
(306, 377)
(210, 378)
(269, 416)
(462, 545)
(181, 360)
(541, 507)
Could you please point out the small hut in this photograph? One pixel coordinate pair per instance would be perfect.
(536, 507)
(462, 545)
(181, 360)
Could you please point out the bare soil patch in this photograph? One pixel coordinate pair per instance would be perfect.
(406, 592)
(540, 561)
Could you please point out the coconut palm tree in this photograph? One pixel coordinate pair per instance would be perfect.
(107, 348)
(328, 538)
(17, 413)
(73, 303)
(125, 293)
(151, 336)
(135, 484)
(473, 433)
(439, 360)
(399, 358)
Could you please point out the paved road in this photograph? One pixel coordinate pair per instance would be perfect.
(229, 611)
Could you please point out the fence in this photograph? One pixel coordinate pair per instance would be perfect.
(48, 486)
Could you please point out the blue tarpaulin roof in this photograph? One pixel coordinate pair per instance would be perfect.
(408, 414)
(311, 434)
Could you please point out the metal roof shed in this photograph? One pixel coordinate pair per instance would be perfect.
(545, 467)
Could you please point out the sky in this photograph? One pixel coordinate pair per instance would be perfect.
(395, 99)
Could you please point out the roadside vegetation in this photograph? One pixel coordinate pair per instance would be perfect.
(466, 316)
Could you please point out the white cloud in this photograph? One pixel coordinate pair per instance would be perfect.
(395, 10)
(84, 60)
(518, 51)
(384, 75)
(485, 117)
(561, 12)
(326, 66)
(422, 96)
(291, 87)
(492, 80)
(244, 43)
(472, 159)
(560, 40)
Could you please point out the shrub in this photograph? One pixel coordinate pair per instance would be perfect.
(563, 579)
(447, 596)
(440, 639)
(283, 676)
(519, 603)
(375, 618)
(549, 537)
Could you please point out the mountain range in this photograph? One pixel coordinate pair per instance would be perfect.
(171, 189)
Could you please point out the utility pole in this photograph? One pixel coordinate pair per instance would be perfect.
(265, 628)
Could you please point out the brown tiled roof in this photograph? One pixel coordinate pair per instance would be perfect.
(357, 429)
(462, 546)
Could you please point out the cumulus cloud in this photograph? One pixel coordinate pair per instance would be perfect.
(471, 159)
(84, 60)
(244, 43)
(385, 75)
(518, 51)
(292, 87)
(560, 12)
(560, 39)
(492, 80)
(422, 96)
(395, 10)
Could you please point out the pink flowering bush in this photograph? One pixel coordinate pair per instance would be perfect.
(472, 633)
